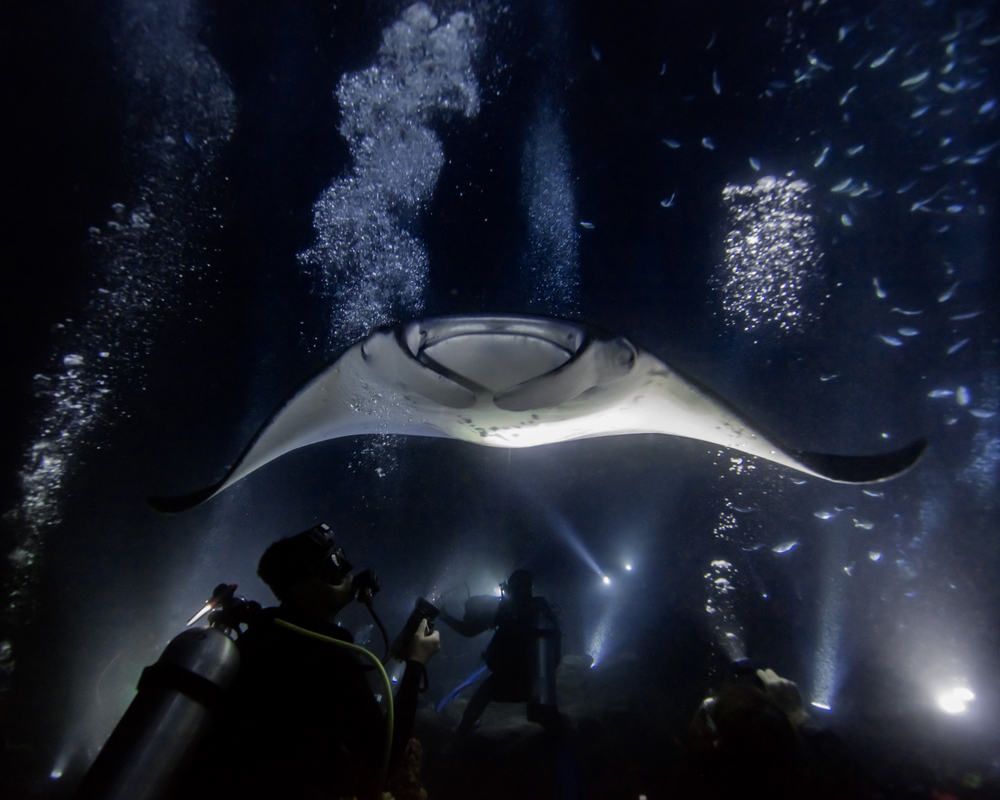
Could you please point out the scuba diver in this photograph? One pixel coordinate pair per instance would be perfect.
(523, 654)
(300, 719)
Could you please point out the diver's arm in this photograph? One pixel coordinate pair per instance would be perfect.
(480, 615)
(423, 646)
(462, 626)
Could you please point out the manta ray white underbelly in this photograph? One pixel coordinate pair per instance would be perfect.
(517, 381)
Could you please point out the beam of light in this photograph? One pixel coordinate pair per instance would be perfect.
(831, 617)
(562, 527)
(599, 638)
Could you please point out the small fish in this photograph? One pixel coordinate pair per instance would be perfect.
(891, 340)
(965, 316)
(937, 394)
(878, 62)
(915, 80)
(873, 493)
(785, 547)
(879, 291)
(711, 41)
(847, 95)
(989, 41)
(962, 396)
(821, 157)
(842, 186)
(842, 32)
(948, 293)
(982, 413)
(853, 151)
(905, 312)
(955, 208)
(828, 378)
(864, 524)
(673, 144)
(874, 555)
(667, 202)
(987, 107)
(716, 87)
(974, 160)
(755, 164)
(707, 143)
(957, 346)
(815, 61)
(919, 112)
(846, 221)
(589, 226)
(857, 191)
(908, 332)
(824, 515)
(945, 141)
(952, 88)
(595, 53)
(906, 187)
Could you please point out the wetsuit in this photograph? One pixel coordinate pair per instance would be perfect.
(522, 655)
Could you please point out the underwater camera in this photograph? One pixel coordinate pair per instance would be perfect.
(422, 609)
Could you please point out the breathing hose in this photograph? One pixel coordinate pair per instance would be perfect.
(389, 717)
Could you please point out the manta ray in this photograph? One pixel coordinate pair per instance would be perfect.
(518, 381)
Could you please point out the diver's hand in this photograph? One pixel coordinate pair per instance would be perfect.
(424, 644)
(785, 694)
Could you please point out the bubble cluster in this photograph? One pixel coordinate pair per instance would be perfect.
(772, 259)
(366, 258)
(552, 263)
(181, 112)
(721, 607)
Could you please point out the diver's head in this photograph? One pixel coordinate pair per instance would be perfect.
(518, 586)
(309, 571)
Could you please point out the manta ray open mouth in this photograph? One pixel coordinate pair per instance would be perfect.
(492, 354)
(516, 381)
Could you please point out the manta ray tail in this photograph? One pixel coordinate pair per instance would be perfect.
(864, 469)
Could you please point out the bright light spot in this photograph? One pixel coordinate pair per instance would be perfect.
(955, 700)
(874, 555)
(56, 774)
(818, 704)
(628, 567)
(606, 580)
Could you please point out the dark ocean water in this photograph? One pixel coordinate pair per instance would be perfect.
(794, 202)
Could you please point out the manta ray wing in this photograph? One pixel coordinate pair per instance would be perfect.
(514, 381)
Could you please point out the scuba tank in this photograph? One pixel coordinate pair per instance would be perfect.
(546, 652)
(171, 714)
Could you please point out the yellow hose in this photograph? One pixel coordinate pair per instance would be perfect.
(389, 717)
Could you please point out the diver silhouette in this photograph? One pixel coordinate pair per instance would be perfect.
(523, 654)
(301, 719)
